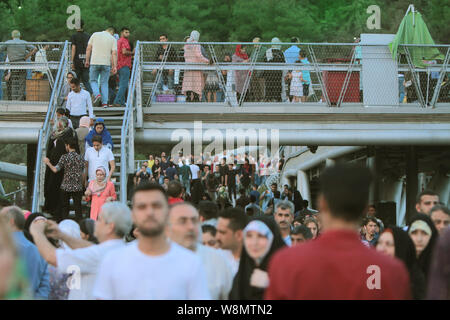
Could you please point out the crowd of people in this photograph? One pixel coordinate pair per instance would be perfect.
(169, 247)
(102, 63)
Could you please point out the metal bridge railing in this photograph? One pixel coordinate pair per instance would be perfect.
(44, 133)
(127, 132)
(328, 74)
(32, 79)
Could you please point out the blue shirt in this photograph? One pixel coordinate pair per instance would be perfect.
(37, 267)
(266, 200)
(291, 54)
(256, 194)
(305, 73)
(288, 240)
(358, 53)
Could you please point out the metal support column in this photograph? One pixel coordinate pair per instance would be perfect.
(411, 182)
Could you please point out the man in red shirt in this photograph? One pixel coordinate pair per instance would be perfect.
(124, 54)
(175, 191)
(337, 265)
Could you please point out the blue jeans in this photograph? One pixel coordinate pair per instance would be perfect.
(103, 71)
(186, 184)
(402, 96)
(124, 77)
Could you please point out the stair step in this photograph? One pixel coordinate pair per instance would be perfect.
(112, 127)
(110, 109)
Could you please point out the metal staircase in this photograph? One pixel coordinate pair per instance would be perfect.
(119, 122)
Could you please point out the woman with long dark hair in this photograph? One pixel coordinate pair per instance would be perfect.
(424, 236)
(395, 242)
(262, 238)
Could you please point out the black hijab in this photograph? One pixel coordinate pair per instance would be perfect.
(241, 289)
(426, 255)
(406, 251)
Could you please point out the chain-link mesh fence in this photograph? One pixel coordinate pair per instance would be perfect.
(28, 70)
(317, 74)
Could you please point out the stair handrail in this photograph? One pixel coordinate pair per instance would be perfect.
(44, 132)
(125, 130)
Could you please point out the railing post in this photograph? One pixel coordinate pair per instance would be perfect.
(38, 187)
(441, 78)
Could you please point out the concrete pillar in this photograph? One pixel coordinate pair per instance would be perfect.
(370, 163)
(303, 185)
(411, 181)
(31, 163)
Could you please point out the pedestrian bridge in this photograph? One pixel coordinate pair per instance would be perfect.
(353, 99)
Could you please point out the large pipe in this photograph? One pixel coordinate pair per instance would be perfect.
(324, 137)
(19, 135)
(13, 171)
(318, 137)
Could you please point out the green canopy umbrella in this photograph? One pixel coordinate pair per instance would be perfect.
(413, 30)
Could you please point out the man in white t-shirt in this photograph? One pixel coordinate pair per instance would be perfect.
(184, 226)
(99, 156)
(114, 222)
(152, 268)
(196, 185)
(101, 57)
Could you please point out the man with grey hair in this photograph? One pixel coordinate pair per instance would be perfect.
(36, 266)
(284, 216)
(18, 51)
(184, 229)
(440, 215)
(114, 222)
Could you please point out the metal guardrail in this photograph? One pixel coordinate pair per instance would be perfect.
(44, 132)
(43, 67)
(336, 71)
(127, 132)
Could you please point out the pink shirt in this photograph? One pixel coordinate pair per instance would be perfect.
(123, 60)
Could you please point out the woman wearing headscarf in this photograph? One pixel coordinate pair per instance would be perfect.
(82, 132)
(100, 130)
(262, 239)
(55, 149)
(424, 236)
(395, 242)
(274, 78)
(193, 81)
(100, 191)
(240, 56)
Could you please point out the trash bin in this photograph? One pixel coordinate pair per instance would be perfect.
(334, 80)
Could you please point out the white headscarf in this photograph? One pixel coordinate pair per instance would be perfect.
(276, 46)
(263, 229)
(195, 36)
(269, 53)
(71, 228)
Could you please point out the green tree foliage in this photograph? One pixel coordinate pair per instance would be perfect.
(221, 20)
